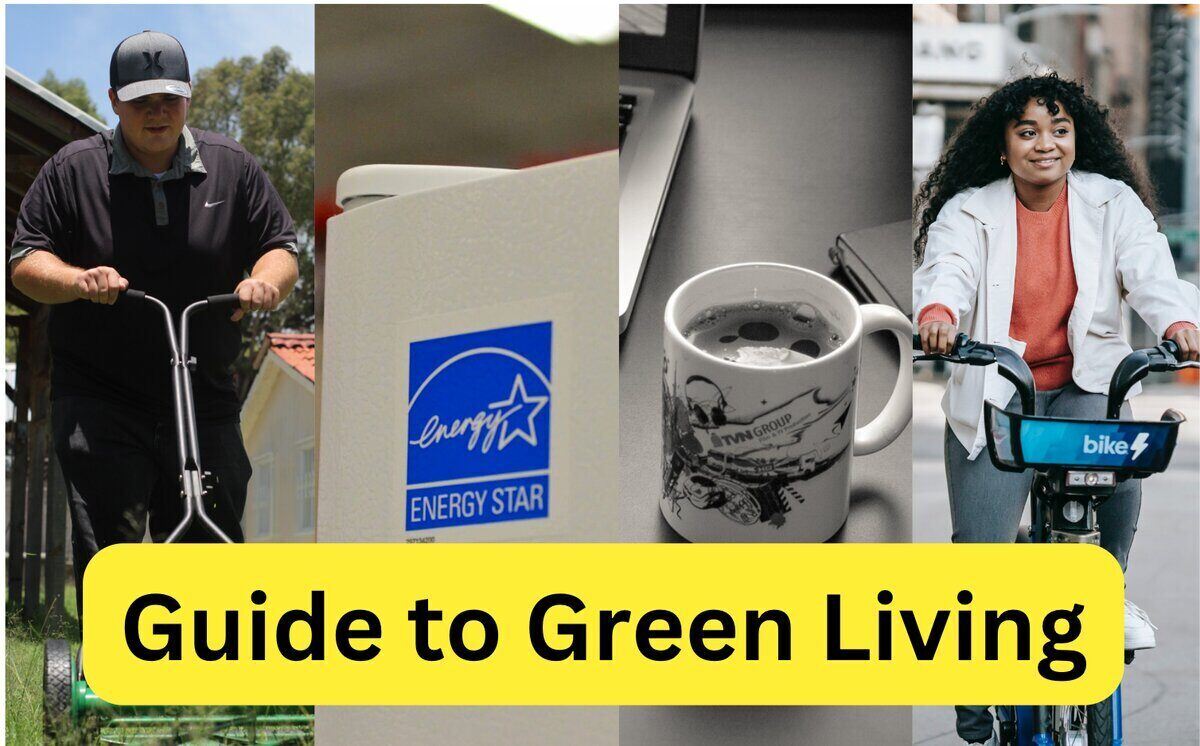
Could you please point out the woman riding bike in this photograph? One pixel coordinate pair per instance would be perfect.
(1034, 226)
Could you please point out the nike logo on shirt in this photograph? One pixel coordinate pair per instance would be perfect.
(212, 204)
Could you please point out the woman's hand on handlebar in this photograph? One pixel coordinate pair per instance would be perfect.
(100, 285)
(1188, 340)
(256, 295)
(937, 337)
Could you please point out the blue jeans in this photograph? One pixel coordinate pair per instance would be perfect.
(986, 505)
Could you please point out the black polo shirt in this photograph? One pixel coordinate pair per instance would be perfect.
(195, 231)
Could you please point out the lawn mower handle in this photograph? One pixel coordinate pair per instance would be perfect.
(192, 475)
(225, 299)
(1009, 364)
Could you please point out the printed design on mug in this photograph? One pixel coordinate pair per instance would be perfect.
(751, 468)
(479, 427)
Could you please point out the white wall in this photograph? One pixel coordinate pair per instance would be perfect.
(279, 442)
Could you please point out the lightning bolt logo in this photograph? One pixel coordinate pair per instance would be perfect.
(1139, 444)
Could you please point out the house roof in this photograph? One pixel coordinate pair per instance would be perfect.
(297, 350)
(283, 357)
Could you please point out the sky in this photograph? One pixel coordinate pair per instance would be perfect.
(76, 41)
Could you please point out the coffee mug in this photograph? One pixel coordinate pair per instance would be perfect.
(759, 454)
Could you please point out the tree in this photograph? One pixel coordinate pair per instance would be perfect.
(73, 91)
(268, 106)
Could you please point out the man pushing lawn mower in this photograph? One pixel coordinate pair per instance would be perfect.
(180, 215)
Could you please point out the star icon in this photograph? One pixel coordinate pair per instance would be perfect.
(526, 433)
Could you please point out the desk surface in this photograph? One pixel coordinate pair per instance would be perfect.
(801, 131)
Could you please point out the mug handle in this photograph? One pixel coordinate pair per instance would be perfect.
(897, 413)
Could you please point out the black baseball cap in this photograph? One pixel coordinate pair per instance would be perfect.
(149, 62)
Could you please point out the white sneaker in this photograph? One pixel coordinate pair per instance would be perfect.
(1139, 631)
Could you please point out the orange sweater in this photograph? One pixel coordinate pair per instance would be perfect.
(1043, 294)
(1044, 291)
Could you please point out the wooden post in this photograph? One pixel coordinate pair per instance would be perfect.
(33, 505)
(20, 462)
(39, 436)
(56, 540)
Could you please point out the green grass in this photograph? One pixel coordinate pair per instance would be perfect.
(23, 667)
(23, 680)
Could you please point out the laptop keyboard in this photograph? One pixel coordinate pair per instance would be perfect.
(626, 110)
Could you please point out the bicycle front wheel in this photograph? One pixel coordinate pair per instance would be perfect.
(1100, 723)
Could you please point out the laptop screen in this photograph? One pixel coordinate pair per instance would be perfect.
(647, 20)
(661, 38)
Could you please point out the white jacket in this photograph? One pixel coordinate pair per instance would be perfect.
(1117, 251)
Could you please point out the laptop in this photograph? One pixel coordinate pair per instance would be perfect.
(659, 47)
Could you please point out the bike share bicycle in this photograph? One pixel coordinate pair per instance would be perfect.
(70, 709)
(1077, 465)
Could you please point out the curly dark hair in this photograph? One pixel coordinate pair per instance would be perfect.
(972, 159)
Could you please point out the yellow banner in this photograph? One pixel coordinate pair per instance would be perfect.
(603, 624)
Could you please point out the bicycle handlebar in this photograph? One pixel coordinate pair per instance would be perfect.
(1009, 364)
(1136, 365)
(1133, 368)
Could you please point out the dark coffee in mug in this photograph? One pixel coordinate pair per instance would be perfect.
(760, 449)
(763, 333)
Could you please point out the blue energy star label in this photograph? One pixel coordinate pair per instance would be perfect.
(479, 427)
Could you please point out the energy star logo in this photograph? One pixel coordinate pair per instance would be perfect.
(479, 427)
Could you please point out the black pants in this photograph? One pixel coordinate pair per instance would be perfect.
(122, 468)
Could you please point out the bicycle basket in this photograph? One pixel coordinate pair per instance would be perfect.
(1017, 442)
